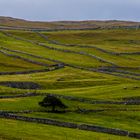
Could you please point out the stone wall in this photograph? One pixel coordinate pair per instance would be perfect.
(87, 46)
(24, 59)
(79, 99)
(64, 28)
(72, 125)
(120, 74)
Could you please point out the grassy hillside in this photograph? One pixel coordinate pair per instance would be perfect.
(96, 73)
(30, 131)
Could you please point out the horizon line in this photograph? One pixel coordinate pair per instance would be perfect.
(82, 20)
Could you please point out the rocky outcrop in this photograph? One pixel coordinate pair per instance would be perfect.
(21, 85)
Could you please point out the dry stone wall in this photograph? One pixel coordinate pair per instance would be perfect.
(86, 127)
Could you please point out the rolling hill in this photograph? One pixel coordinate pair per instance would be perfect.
(94, 71)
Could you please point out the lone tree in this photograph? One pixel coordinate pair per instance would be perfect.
(52, 101)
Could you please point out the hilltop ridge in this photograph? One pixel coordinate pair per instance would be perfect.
(9, 22)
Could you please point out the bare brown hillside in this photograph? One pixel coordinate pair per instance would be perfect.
(9, 22)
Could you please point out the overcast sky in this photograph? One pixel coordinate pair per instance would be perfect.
(71, 9)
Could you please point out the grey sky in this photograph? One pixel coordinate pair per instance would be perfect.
(71, 9)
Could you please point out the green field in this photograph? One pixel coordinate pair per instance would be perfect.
(100, 66)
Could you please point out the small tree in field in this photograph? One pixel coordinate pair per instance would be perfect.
(52, 101)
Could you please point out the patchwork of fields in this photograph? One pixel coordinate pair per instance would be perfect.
(96, 73)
